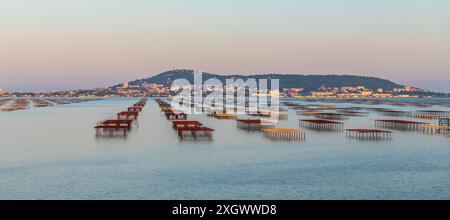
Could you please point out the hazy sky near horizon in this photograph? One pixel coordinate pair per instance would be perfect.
(61, 44)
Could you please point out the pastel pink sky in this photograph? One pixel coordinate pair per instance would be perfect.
(52, 45)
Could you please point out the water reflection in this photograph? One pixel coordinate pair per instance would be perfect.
(52, 153)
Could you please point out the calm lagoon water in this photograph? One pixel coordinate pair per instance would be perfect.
(52, 153)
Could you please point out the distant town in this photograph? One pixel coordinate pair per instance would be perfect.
(159, 90)
(291, 86)
(360, 92)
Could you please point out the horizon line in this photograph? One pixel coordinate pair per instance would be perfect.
(188, 69)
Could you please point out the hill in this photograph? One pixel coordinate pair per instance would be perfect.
(308, 82)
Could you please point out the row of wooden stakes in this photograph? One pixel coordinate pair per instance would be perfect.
(123, 124)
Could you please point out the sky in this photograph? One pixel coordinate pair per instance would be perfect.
(60, 44)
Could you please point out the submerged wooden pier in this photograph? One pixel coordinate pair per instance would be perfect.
(135, 109)
(372, 134)
(185, 129)
(178, 124)
(9, 105)
(268, 114)
(423, 116)
(393, 113)
(18, 104)
(225, 116)
(122, 125)
(112, 126)
(400, 124)
(254, 124)
(331, 116)
(171, 115)
(127, 115)
(444, 121)
(195, 132)
(4, 101)
(39, 103)
(352, 113)
(194, 128)
(436, 129)
(436, 113)
(322, 124)
(284, 134)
